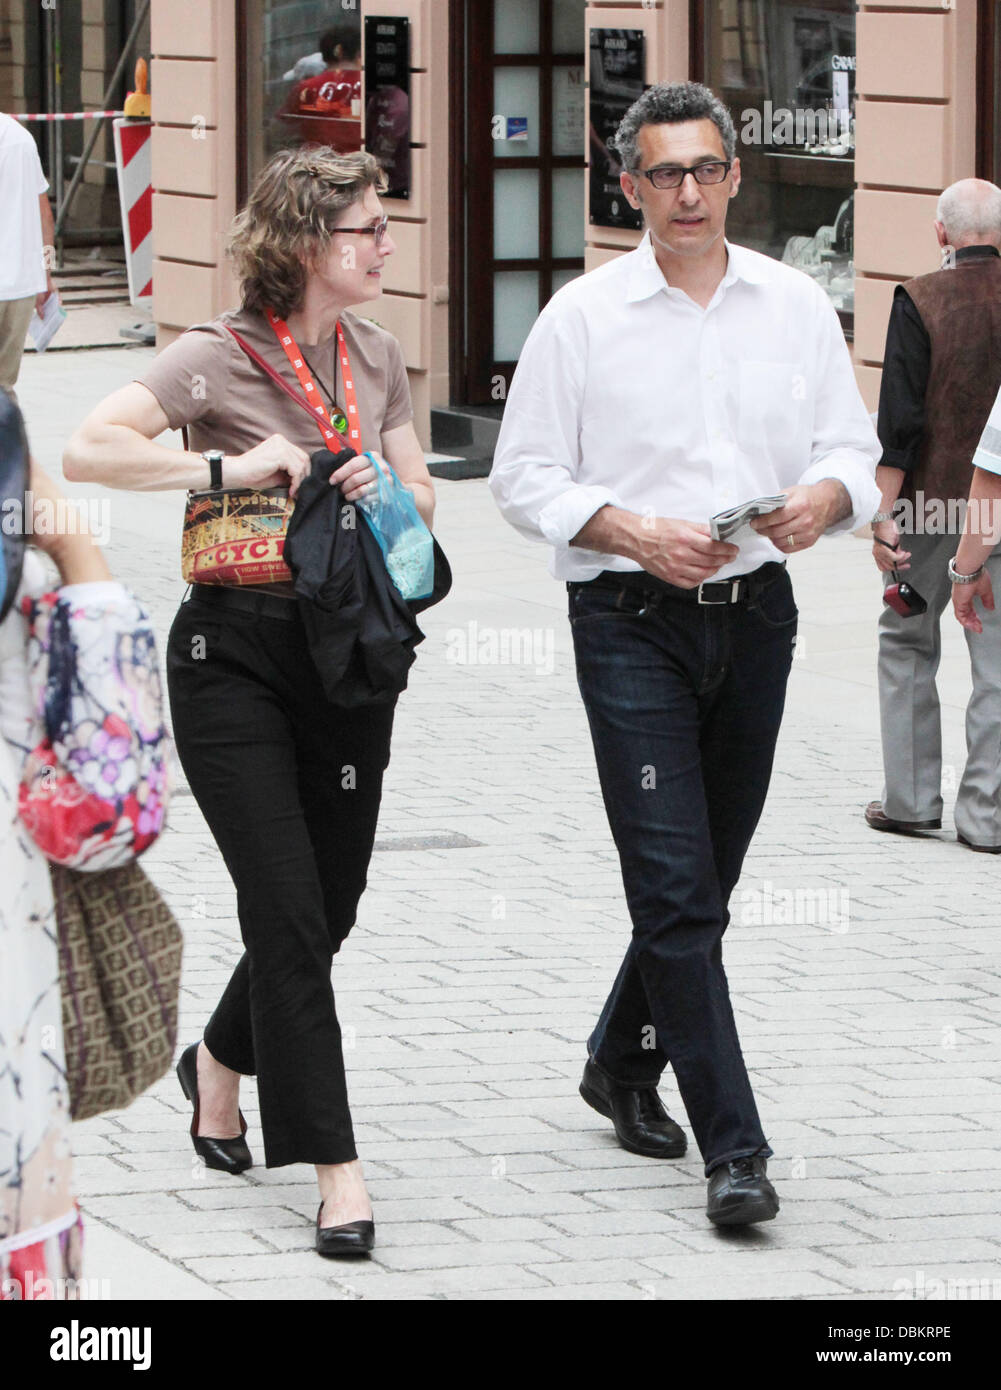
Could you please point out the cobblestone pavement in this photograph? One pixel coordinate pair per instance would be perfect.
(864, 970)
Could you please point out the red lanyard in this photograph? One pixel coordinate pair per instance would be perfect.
(313, 396)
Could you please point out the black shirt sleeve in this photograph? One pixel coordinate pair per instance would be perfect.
(906, 366)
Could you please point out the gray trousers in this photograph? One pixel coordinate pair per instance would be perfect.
(909, 653)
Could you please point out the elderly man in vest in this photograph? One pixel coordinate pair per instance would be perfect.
(941, 374)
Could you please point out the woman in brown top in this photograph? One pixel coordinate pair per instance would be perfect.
(289, 784)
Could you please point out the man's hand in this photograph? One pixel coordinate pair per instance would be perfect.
(275, 463)
(962, 601)
(680, 552)
(886, 560)
(809, 510)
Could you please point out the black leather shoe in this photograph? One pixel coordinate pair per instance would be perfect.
(226, 1155)
(356, 1238)
(740, 1193)
(877, 819)
(642, 1124)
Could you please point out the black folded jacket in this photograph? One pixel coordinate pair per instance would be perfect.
(361, 631)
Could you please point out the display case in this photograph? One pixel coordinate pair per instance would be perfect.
(787, 73)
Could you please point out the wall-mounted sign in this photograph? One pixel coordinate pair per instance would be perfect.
(616, 81)
(387, 99)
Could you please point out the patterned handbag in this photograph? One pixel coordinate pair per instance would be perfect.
(119, 975)
(236, 536)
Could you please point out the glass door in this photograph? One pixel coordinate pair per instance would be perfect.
(522, 176)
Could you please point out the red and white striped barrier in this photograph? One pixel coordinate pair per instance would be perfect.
(67, 115)
(133, 150)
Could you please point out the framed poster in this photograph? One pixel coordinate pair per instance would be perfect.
(617, 65)
(387, 99)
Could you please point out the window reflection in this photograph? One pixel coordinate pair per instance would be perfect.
(787, 73)
(303, 76)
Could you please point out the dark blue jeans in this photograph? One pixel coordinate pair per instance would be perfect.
(684, 703)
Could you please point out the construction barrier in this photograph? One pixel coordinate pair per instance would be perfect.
(133, 149)
(67, 115)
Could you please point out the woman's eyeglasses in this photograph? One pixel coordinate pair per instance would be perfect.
(378, 230)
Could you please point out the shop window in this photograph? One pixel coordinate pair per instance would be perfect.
(989, 91)
(299, 78)
(787, 73)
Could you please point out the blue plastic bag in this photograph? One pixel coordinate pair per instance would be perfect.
(404, 539)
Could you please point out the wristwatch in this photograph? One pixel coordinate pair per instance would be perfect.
(881, 516)
(214, 458)
(958, 578)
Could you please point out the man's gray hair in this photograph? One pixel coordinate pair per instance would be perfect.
(970, 211)
(669, 103)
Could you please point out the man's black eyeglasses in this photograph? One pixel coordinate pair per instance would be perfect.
(673, 176)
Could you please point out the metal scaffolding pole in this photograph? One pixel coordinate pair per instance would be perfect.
(88, 148)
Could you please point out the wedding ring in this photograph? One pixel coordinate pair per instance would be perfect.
(790, 541)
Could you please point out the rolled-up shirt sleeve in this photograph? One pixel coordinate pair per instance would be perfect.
(537, 459)
(845, 445)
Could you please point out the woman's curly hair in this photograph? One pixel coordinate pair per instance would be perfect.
(289, 218)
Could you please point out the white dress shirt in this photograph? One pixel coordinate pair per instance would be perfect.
(628, 393)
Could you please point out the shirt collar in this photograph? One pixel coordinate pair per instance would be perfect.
(976, 253)
(646, 277)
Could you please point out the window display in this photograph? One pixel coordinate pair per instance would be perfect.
(300, 77)
(787, 73)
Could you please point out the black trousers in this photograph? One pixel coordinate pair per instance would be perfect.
(290, 786)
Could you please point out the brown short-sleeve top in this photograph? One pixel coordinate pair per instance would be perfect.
(206, 381)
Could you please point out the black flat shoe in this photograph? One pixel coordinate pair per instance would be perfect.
(641, 1123)
(226, 1155)
(740, 1193)
(356, 1238)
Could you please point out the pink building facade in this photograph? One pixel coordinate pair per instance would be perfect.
(502, 205)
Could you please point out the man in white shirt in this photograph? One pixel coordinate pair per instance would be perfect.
(681, 379)
(26, 227)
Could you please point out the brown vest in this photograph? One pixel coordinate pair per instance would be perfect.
(961, 310)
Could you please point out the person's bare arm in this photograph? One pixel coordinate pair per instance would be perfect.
(679, 552)
(114, 446)
(48, 246)
(980, 535)
(76, 554)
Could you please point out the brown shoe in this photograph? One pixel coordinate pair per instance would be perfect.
(980, 849)
(874, 816)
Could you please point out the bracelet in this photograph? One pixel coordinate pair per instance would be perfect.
(880, 517)
(958, 578)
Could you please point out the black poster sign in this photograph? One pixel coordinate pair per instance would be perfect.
(616, 81)
(387, 99)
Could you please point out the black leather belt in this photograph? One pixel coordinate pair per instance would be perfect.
(260, 605)
(712, 592)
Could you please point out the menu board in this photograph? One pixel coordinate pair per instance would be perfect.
(387, 104)
(616, 80)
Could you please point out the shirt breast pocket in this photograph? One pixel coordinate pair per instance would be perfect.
(772, 396)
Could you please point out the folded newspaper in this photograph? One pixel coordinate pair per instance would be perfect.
(44, 327)
(724, 524)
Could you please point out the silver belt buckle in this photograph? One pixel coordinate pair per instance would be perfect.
(715, 602)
